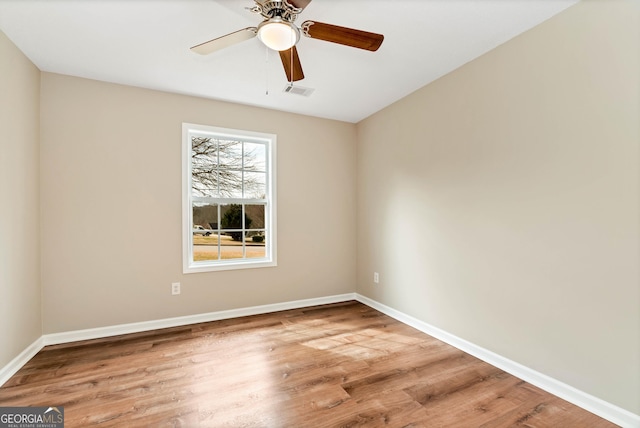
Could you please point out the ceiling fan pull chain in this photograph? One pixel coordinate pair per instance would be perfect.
(291, 74)
(266, 69)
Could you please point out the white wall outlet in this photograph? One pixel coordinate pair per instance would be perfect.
(376, 277)
(175, 288)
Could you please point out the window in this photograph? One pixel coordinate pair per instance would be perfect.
(228, 199)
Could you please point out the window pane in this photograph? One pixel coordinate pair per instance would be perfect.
(230, 154)
(205, 247)
(255, 244)
(231, 216)
(204, 151)
(255, 158)
(205, 218)
(204, 182)
(231, 245)
(203, 167)
(205, 238)
(254, 216)
(230, 183)
(255, 185)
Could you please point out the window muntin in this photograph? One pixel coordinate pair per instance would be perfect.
(228, 199)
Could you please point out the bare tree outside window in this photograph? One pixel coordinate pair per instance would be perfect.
(227, 168)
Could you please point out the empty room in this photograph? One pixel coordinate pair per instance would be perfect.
(296, 213)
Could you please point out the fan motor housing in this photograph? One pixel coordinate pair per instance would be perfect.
(278, 8)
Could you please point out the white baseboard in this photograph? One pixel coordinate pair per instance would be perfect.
(612, 413)
(116, 330)
(19, 361)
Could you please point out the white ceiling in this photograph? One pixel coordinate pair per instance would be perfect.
(146, 43)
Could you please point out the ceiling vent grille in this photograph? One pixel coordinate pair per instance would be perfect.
(298, 90)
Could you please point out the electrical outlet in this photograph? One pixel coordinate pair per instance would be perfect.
(376, 277)
(175, 288)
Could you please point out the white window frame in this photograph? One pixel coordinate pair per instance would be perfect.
(189, 266)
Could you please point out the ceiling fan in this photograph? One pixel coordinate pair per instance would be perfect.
(278, 32)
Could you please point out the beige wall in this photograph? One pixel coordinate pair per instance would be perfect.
(111, 203)
(20, 315)
(500, 203)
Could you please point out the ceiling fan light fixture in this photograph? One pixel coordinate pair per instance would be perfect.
(278, 34)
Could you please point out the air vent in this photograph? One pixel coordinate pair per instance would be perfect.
(298, 90)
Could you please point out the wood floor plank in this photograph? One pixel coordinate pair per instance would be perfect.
(340, 365)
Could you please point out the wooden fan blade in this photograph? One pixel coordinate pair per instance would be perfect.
(342, 35)
(286, 58)
(300, 4)
(225, 41)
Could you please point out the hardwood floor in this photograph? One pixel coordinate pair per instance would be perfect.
(341, 365)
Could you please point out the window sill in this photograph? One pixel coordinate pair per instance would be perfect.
(199, 267)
